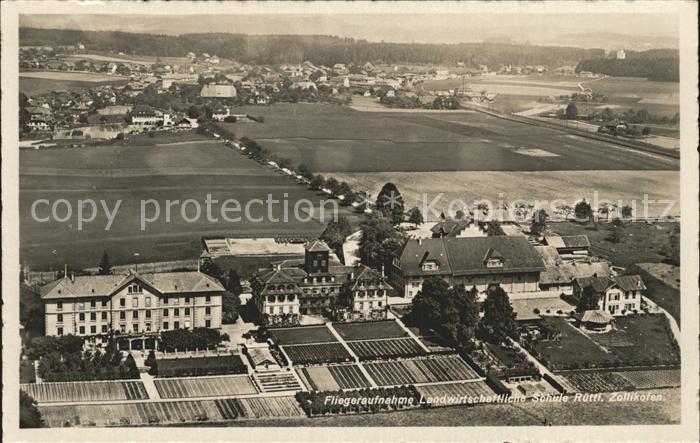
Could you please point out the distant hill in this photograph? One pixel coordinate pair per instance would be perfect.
(325, 50)
(612, 41)
(655, 64)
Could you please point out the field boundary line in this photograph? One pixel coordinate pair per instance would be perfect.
(362, 369)
(451, 382)
(412, 335)
(622, 143)
(168, 400)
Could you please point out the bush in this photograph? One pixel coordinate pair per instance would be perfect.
(185, 339)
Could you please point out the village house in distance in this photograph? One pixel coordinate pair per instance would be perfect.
(137, 307)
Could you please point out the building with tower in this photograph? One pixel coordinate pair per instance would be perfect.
(317, 285)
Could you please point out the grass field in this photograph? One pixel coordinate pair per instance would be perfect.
(639, 340)
(339, 139)
(42, 82)
(550, 186)
(141, 170)
(660, 98)
(640, 337)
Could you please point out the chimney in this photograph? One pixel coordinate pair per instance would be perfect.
(420, 241)
(382, 270)
(65, 270)
(72, 276)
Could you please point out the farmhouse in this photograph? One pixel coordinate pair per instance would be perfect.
(618, 295)
(135, 306)
(219, 112)
(218, 91)
(570, 246)
(510, 261)
(314, 286)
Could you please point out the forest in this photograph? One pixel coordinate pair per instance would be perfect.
(655, 64)
(320, 50)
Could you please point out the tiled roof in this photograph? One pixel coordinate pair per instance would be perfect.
(625, 282)
(106, 285)
(569, 241)
(467, 255)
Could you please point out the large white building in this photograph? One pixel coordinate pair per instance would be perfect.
(617, 295)
(133, 306)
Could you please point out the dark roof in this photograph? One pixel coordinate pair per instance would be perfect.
(106, 285)
(569, 241)
(449, 227)
(469, 255)
(625, 282)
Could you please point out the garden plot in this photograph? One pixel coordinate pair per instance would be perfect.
(302, 335)
(447, 394)
(386, 348)
(370, 330)
(333, 378)
(270, 407)
(140, 414)
(661, 378)
(425, 370)
(81, 391)
(317, 353)
(597, 381)
(204, 386)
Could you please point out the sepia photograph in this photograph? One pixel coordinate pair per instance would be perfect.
(354, 216)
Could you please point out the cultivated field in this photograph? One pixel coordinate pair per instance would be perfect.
(384, 348)
(339, 139)
(369, 330)
(595, 382)
(78, 391)
(204, 386)
(170, 412)
(556, 187)
(426, 370)
(317, 353)
(455, 393)
(332, 378)
(140, 170)
(622, 92)
(660, 378)
(295, 336)
(42, 82)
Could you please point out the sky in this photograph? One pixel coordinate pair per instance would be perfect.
(583, 30)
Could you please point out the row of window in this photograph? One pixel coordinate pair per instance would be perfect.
(321, 279)
(134, 302)
(628, 295)
(134, 314)
(375, 293)
(134, 327)
(368, 305)
(280, 310)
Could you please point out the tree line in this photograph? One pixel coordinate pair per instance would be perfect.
(325, 50)
(662, 68)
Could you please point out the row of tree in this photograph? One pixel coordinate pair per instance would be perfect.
(320, 50)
